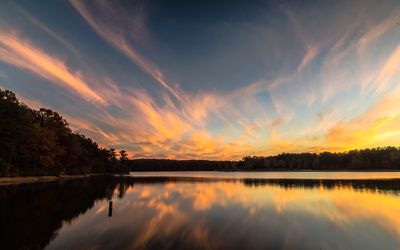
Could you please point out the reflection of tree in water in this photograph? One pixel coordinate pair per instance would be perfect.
(388, 186)
(32, 214)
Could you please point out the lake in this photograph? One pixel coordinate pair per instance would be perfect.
(205, 210)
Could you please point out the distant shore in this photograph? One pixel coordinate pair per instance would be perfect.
(33, 179)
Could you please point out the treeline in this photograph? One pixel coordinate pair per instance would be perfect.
(385, 158)
(40, 142)
(179, 165)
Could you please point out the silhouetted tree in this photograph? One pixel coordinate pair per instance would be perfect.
(123, 156)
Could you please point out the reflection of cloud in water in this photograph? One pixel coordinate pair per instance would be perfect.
(231, 215)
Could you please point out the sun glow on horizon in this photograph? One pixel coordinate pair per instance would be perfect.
(138, 77)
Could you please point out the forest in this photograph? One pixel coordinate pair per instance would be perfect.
(40, 142)
(179, 165)
(373, 159)
(382, 158)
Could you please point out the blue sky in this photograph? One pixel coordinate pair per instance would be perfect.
(184, 79)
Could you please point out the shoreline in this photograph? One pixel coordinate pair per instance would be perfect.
(14, 180)
(47, 178)
(277, 170)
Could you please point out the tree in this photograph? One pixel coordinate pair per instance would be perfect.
(112, 154)
(123, 156)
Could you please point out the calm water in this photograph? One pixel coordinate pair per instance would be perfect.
(207, 210)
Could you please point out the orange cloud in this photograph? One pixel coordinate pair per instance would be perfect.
(378, 126)
(22, 54)
(215, 125)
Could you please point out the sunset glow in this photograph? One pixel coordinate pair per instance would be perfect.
(166, 80)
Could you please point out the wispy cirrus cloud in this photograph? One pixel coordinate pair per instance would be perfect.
(310, 54)
(377, 126)
(107, 23)
(388, 72)
(325, 88)
(168, 130)
(377, 30)
(36, 22)
(195, 111)
(24, 55)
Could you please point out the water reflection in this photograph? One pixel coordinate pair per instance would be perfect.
(32, 214)
(202, 213)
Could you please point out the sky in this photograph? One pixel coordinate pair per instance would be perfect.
(210, 79)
